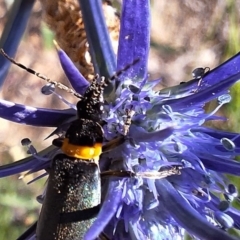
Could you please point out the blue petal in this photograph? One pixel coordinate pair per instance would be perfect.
(199, 98)
(180, 90)
(186, 216)
(25, 164)
(17, 167)
(140, 135)
(108, 209)
(13, 32)
(216, 133)
(29, 233)
(223, 71)
(40, 117)
(79, 83)
(234, 213)
(221, 164)
(101, 51)
(218, 74)
(134, 40)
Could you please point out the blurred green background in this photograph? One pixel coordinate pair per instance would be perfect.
(185, 34)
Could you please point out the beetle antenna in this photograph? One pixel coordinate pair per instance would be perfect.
(39, 75)
(121, 71)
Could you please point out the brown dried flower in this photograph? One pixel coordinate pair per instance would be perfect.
(65, 19)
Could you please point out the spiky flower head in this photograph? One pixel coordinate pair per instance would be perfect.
(167, 131)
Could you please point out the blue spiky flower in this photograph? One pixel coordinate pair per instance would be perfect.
(167, 130)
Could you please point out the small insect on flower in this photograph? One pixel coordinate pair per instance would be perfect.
(199, 73)
(73, 195)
